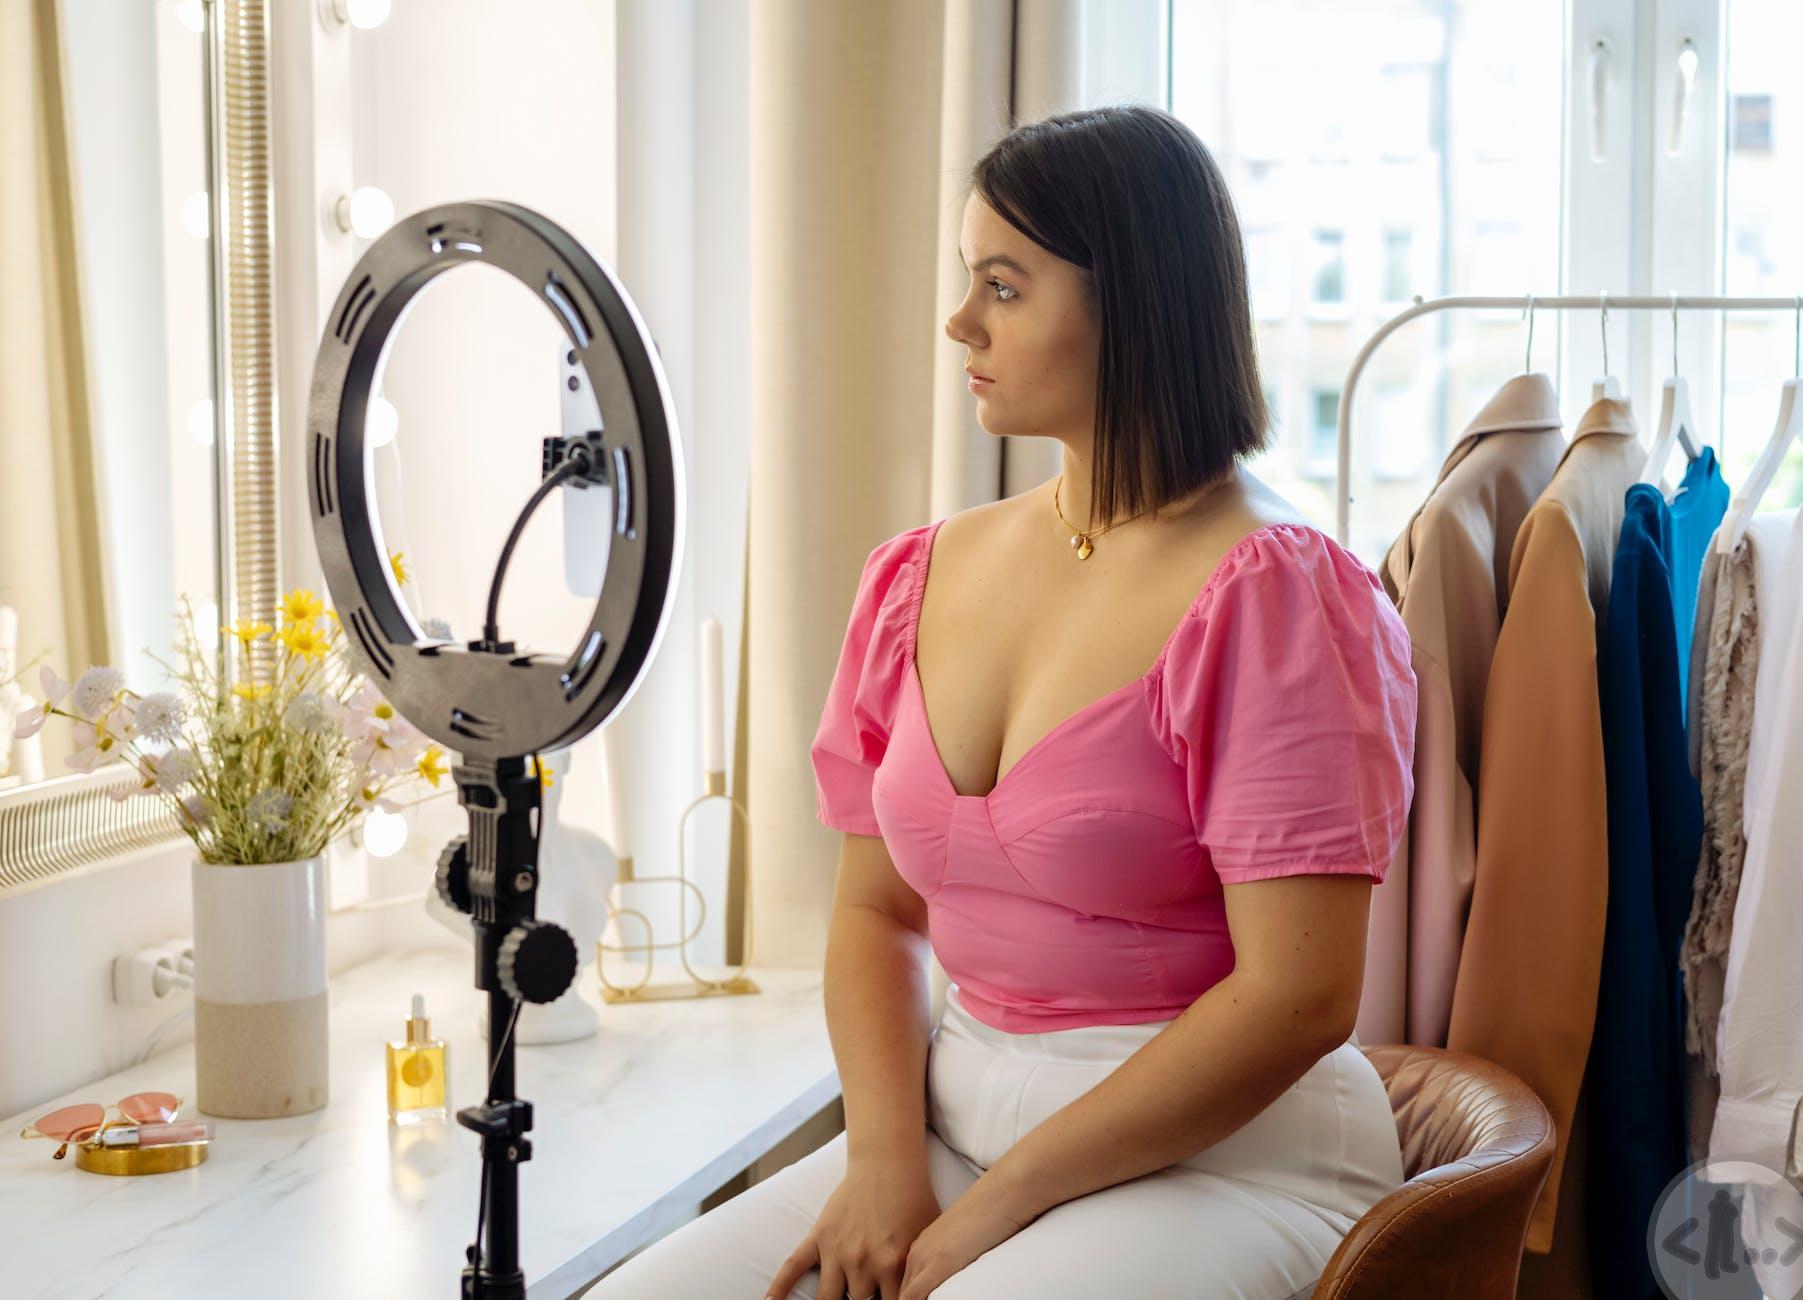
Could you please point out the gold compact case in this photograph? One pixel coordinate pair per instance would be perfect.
(141, 1160)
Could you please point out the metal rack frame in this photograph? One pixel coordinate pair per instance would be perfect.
(1528, 304)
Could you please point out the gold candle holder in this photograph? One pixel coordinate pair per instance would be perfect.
(697, 985)
(140, 1160)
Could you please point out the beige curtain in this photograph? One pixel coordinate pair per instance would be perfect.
(865, 120)
(51, 557)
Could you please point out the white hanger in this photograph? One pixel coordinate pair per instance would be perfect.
(1607, 386)
(1765, 469)
(1676, 423)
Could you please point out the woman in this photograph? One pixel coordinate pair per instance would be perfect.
(1148, 885)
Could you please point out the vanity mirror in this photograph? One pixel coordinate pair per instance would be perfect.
(137, 444)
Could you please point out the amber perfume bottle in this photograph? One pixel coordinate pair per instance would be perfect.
(416, 1071)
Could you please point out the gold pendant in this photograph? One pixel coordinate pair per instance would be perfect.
(1080, 543)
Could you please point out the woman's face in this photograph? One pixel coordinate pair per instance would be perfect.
(1029, 322)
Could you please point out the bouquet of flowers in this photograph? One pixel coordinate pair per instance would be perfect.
(268, 771)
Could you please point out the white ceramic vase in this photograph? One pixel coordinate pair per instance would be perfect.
(260, 1043)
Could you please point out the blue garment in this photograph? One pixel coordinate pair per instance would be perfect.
(1638, 1133)
(1697, 511)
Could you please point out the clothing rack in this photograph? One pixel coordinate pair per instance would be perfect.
(1529, 304)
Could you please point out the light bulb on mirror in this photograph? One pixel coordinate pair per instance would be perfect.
(361, 14)
(196, 219)
(365, 212)
(384, 833)
(200, 422)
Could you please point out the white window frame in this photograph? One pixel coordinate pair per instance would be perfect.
(1610, 241)
(1668, 205)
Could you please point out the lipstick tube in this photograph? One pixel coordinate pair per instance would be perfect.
(158, 1135)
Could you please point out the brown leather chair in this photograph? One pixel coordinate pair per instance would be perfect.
(1477, 1144)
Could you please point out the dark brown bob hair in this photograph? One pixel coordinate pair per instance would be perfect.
(1131, 195)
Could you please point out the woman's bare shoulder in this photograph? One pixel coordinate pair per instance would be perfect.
(982, 529)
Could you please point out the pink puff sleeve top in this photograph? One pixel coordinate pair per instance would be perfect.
(1274, 735)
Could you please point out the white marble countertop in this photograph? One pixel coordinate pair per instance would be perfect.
(632, 1129)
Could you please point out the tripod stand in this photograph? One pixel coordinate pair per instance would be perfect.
(492, 874)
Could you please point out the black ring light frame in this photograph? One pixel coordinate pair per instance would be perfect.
(483, 699)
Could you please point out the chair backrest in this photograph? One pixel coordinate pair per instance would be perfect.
(1477, 1145)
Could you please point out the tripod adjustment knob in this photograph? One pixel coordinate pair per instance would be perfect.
(452, 879)
(537, 961)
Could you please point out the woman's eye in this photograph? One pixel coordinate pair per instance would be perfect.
(1000, 288)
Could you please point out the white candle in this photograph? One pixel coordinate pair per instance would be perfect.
(28, 756)
(713, 695)
(620, 829)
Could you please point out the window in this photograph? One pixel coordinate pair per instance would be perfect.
(1495, 138)
(1399, 431)
(1398, 248)
(1269, 272)
(1328, 281)
(1402, 147)
(1405, 113)
(1763, 253)
(1323, 433)
(1750, 121)
(1392, 147)
(1498, 247)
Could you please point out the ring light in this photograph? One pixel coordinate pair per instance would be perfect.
(479, 698)
(484, 699)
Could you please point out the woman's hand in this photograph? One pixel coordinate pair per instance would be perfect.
(860, 1241)
(980, 1219)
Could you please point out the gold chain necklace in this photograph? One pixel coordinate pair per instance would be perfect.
(1080, 541)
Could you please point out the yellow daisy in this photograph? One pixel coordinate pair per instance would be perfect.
(399, 565)
(544, 773)
(301, 606)
(246, 631)
(305, 639)
(429, 765)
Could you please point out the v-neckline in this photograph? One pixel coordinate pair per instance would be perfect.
(924, 561)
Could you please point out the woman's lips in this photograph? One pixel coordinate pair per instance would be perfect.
(980, 383)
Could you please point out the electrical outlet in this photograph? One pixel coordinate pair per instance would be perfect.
(150, 974)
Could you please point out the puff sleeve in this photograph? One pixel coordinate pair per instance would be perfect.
(1288, 699)
(860, 703)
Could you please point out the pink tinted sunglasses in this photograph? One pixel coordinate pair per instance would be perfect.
(84, 1120)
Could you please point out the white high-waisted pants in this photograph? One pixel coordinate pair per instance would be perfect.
(1253, 1217)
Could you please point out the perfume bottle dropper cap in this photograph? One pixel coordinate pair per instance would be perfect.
(418, 1028)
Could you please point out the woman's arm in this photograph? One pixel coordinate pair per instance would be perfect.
(1292, 997)
(879, 1004)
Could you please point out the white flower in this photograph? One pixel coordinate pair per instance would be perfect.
(199, 808)
(439, 630)
(369, 715)
(96, 689)
(160, 716)
(368, 798)
(268, 809)
(93, 741)
(311, 711)
(175, 769)
(29, 722)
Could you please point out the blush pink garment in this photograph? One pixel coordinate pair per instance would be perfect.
(1273, 736)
